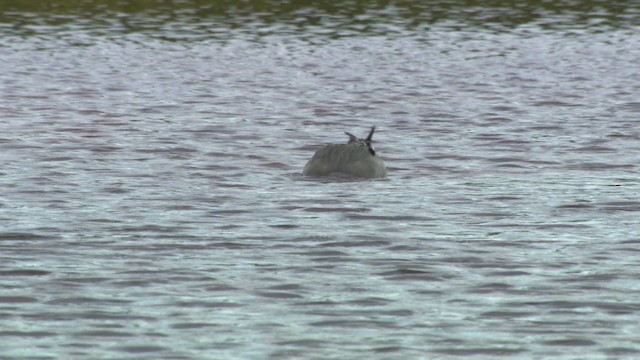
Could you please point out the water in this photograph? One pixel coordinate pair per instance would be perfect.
(153, 204)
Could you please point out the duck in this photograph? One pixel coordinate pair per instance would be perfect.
(356, 158)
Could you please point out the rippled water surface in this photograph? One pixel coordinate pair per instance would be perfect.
(153, 206)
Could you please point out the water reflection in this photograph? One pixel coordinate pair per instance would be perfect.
(326, 19)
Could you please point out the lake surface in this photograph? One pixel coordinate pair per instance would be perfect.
(153, 206)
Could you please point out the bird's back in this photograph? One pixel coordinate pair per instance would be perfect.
(350, 159)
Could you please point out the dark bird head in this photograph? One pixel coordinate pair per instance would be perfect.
(368, 142)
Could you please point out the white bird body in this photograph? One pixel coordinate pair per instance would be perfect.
(356, 158)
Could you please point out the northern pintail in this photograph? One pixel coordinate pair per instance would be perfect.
(356, 158)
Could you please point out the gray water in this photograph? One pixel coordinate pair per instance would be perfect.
(153, 206)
